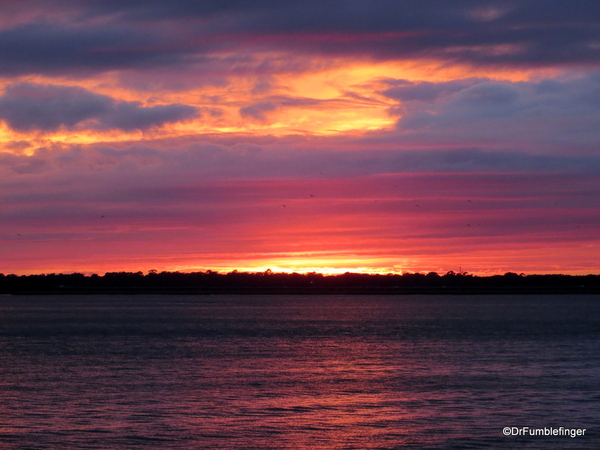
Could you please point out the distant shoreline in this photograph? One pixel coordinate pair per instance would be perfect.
(266, 283)
(539, 290)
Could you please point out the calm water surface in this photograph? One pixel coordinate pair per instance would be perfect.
(297, 372)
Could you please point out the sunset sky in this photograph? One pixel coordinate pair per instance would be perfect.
(354, 135)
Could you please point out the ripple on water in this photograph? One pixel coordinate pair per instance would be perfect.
(125, 372)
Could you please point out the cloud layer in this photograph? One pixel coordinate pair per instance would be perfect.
(103, 36)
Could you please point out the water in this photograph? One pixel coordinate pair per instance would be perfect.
(295, 372)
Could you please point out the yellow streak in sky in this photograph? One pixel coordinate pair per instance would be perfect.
(341, 97)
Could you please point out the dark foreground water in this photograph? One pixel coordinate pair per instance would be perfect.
(261, 372)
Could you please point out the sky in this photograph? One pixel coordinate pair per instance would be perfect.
(347, 135)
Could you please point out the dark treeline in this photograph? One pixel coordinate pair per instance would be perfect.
(270, 282)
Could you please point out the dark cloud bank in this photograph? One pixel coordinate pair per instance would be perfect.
(154, 34)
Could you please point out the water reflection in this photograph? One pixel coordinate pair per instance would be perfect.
(296, 372)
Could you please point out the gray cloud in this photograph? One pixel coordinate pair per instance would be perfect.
(41, 48)
(109, 35)
(257, 110)
(29, 107)
(543, 114)
(132, 116)
(406, 90)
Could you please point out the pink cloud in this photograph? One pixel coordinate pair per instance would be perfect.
(216, 199)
